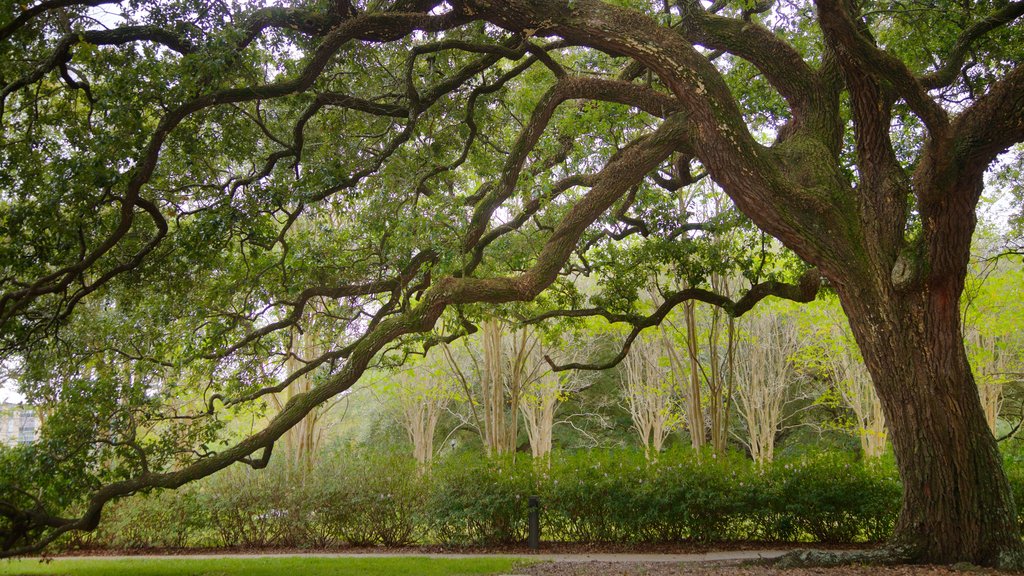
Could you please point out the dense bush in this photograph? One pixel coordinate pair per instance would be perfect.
(370, 498)
(1014, 466)
(619, 497)
(165, 519)
(832, 499)
(252, 508)
(590, 496)
(383, 498)
(473, 500)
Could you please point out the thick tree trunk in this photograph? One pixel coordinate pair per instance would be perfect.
(957, 502)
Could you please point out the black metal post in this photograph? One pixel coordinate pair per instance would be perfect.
(534, 538)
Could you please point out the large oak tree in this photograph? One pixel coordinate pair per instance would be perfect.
(184, 183)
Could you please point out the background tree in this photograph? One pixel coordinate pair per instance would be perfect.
(853, 383)
(993, 336)
(303, 440)
(546, 390)
(768, 343)
(493, 371)
(423, 392)
(650, 391)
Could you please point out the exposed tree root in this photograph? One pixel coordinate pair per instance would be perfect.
(885, 556)
(889, 555)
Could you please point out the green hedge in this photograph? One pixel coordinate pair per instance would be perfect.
(382, 498)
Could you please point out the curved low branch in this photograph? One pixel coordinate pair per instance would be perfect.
(804, 291)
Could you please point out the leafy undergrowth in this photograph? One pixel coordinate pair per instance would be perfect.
(365, 498)
(306, 566)
(517, 549)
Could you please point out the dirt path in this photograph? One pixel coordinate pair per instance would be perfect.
(730, 568)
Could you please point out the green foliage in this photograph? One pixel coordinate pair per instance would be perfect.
(475, 500)
(165, 519)
(177, 204)
(619, 497)
(249, 508)
(586, 496)
(1014, 466)
(832, 499)
(368, 498)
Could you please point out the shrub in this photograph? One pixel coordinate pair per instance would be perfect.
(474, 500)
(833, 499)
(163, 519)
(591, 496)
(250, 507)
(367, 497)
(1014, 466)
(372, 498)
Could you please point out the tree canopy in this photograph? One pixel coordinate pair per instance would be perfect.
(189, 187)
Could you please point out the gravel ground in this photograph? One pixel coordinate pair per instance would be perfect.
(735, 569)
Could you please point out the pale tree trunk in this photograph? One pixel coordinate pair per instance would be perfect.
(694, 375)
(542, 392)
(537, 389)
(694, 409)
(422, 405)
(721, 377)
(518, 371)
(649, 393)
(545, 390)
(302, 440)
(492, 388)
(993, 362)
(540, 402)
(854, 384)
(764, 370)
(539, 414)
(423, 393)
(684, 374)
(502, 373)
(420, 420)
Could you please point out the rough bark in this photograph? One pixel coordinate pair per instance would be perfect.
(900, 292)
(957, 503)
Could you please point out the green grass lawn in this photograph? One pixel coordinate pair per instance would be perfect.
(290, 566)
